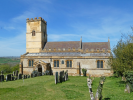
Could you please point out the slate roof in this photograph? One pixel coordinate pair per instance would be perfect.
(76, 45)
(62, 45)
(95, 45)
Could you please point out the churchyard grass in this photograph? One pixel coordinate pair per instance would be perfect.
(113, 89)
(44, 88)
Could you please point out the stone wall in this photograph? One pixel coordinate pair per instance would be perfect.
(88, 63)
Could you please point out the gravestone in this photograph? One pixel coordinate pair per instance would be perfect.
(8, 77)
(13, 73)
(16, 73)
(28, 76)
(35, 75)
(20, 76)
(25, 76)
(13, 78)
(32, 75)
(66, 74)
(1, 78)
(61, 76)
(56, 77)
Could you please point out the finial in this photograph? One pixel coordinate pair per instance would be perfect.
(108, 39)
(81, 38)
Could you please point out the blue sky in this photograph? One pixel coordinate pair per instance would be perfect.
(67, 20)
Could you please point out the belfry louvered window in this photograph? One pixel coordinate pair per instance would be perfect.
(33, 33)
(56, 63)
(100, 64)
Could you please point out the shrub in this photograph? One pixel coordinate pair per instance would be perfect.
(84, 71)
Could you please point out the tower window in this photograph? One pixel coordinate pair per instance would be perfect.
(33, 33)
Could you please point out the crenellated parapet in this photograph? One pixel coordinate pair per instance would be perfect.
(35, 19)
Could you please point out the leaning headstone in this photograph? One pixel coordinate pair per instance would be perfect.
(56, 77)
(1, 78)
(20, 76)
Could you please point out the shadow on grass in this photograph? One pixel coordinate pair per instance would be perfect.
(121, 83)
(106, 99)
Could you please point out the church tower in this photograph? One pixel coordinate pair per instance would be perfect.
(36, 34)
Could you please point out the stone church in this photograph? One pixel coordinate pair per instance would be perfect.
(73, 56)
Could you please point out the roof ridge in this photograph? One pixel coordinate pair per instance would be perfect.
(63, 41)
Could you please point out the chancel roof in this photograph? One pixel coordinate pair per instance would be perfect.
(95, 45)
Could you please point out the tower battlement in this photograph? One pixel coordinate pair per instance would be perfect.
(35, 19)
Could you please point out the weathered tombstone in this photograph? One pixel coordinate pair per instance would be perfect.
(20, 76)
(28, 76)
(13, 73)
(35, 75)
(61, 76)
(8, 78)
(32, 75)
(66, 74)
(25, 76)
(16, 73)
(1, 78)
(56, 77)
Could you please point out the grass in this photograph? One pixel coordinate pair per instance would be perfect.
(113, 89)
(44, 88)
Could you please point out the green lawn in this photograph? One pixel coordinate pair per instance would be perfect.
(113, 88)
(44, 88)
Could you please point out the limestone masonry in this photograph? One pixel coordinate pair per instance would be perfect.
(73, 56)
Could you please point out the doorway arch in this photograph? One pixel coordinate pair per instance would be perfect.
(39, 68)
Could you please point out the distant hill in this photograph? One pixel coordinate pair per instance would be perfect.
(9, 60)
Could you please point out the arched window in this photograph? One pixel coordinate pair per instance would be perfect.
(33, 33)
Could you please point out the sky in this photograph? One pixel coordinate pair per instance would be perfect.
(67, 20)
